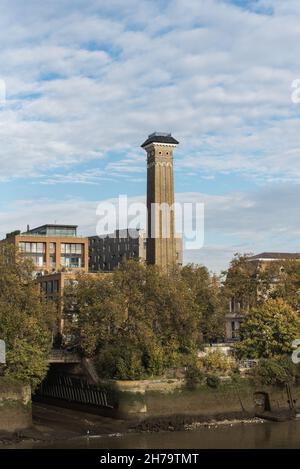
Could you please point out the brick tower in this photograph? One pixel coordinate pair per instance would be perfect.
(161, 249)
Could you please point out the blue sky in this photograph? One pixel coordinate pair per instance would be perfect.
(88, 80)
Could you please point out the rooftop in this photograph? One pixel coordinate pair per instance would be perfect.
(275, 256)
(42, 227)
(52, 230)
(160, 137)
(122, 234)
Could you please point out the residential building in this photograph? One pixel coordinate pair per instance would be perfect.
(52, 288)
(107, 252)
(238, 309)
(52, 247)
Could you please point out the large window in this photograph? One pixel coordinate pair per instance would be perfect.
(72, 255)
(52, 254)
(34, 251)
(74, 248)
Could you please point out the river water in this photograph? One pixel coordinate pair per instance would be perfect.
(247, 435)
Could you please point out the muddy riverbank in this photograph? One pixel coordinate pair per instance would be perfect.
(52, 425)
(250, 433)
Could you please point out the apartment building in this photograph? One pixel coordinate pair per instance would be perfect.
(107, 252)
(52, 247)
(58, 254)
(237, 308)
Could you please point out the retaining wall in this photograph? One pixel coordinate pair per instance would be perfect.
(15, 406)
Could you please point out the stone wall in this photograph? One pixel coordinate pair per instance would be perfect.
(15, 406)
(144, 399)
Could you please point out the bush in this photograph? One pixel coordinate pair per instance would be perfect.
(194, 375)
(217, 362)
(120, 363)
(276, 371)
(213, 381)
(154, 360)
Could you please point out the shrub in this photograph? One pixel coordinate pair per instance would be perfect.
(217, 362)
(213, 381)
(121, 363)
(154, 360)
(194, 374)
(276, 371)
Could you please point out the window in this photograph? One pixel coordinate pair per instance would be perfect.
(41, 247)
(34, 251)
(72, 255)
(52, 248)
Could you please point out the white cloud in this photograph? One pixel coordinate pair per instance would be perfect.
(88, 80)
(238, 222)
(203, 69)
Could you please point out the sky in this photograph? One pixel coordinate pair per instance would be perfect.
(88, 80)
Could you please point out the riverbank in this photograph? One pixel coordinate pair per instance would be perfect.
(52, 425)
(230, 434)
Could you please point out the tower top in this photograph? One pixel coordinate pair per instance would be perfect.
(160, 137)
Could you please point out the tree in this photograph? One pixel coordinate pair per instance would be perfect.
(250, 283)
(24, 319)
(136, 321)
(268, 330)
(281, 279)
(94, 312)
(275, 371)
(241, 282)
(209, 298)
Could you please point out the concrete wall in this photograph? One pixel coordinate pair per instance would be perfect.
(15, 406)
(144, 399)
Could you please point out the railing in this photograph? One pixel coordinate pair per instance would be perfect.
(75, 390)
(63, 356)
(247, 364)
(40, 235)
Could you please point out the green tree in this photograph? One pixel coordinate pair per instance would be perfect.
(136, 321)
(94, 312)
(268, 330)
(275, 371)
(209, 299)
(24, 319)
(241, 282)
(281, 279)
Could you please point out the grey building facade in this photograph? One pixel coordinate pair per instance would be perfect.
(107, 252)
